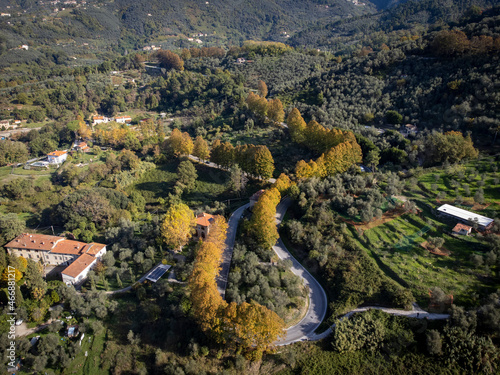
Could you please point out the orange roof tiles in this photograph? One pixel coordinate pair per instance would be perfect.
(56, 153)
(69, 247)
(80, 264)
(94, 248)
(461, 226)
(204, 219)
(98, 117)
(54, 244)
(34, 242)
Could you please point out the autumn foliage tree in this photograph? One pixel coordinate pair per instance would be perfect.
(254, 160)
(275, 110)
(451, 146)
(341, 151)
(282, 184)
(249, 326)
(178, 226)
(262, 87)
(296, 126)
(257, 104)
(179, 143)
(262, 226)
(170, 60)
(201, 149)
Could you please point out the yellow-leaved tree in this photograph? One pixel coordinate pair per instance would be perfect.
(179, 143)
(275, 110)
(201, 149)
(178, 226)
(282, 184)
(249, 326)
(262, 225)
(296, 126)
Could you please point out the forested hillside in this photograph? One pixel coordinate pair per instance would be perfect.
(177, 133)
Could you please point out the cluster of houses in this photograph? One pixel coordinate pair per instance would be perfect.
(103, 119)
(9, 124)
(151, 48)
(79, 257)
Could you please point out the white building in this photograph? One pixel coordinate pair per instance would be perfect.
(99, 120)
(57, 157)
(78, 270)
(123, 119)
(465, 216)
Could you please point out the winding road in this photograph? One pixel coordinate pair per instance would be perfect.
(232, 229)
(318, 301)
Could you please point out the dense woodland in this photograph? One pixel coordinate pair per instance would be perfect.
(326, 114)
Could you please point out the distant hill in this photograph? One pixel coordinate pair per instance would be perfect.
(95, 27)
(132, 24)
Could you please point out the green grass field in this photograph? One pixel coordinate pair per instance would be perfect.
(408, 263)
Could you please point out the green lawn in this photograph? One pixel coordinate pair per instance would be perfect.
(408, 263)
(211, 186)
(90, 364)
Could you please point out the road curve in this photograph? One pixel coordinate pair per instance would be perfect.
(232, 228)
(318, 301)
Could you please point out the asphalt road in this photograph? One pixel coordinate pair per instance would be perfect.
(318, 301)
(416, 312)
(232, 228)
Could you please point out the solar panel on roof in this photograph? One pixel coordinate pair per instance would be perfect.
(157, 272)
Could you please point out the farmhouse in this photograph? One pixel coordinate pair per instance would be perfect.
(80, 257)
(57, 157)
(123, 119)
(462, 229)
(81, 146)
(99, 120)
(464, 216)
(203, 222)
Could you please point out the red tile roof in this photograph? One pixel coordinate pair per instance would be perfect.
(34, 242)
(94, 248)
(69, 247)
(98, 118)
(205, 219)
(56, 153)
(80, 264)
(54, 244)
(461, 226)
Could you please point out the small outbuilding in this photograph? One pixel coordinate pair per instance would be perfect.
(203, 222)
(462, 229)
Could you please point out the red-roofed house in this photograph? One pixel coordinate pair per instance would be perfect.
(57, 251)
(203, 222)
(99, 120)
(123, 119)
(57, 157)
(81, 146)
(78, 270)
(462, 229)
